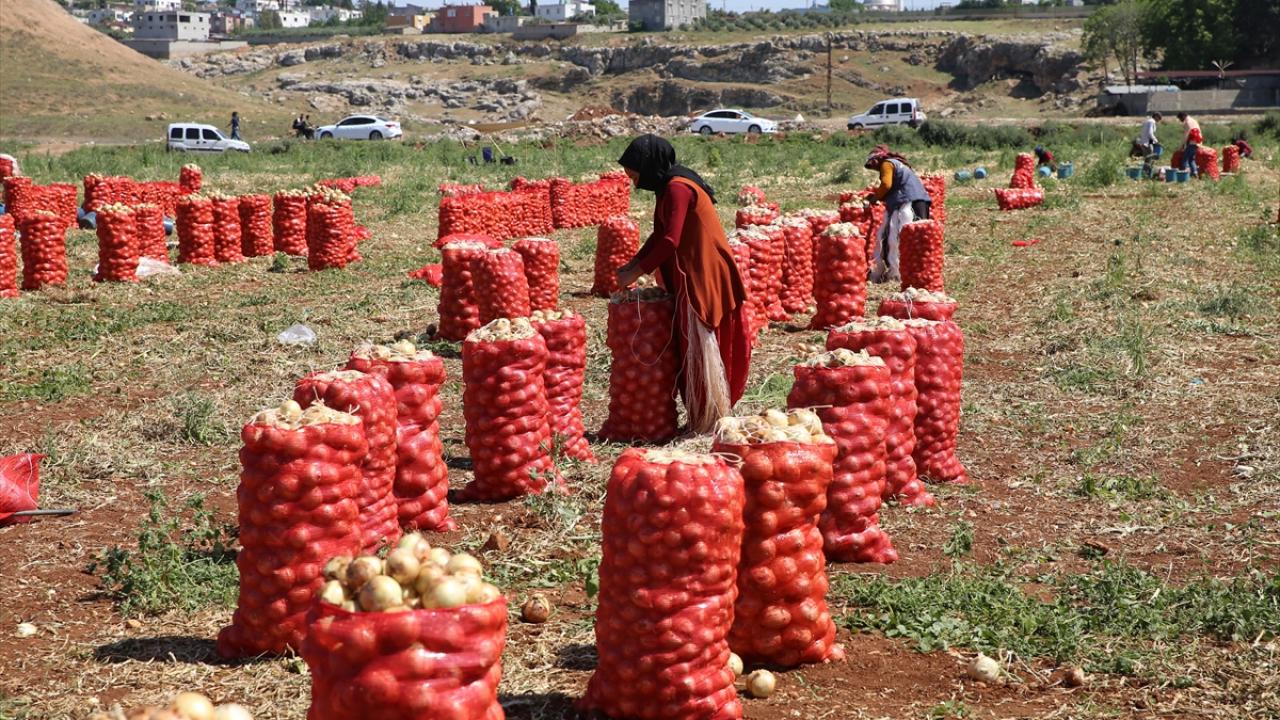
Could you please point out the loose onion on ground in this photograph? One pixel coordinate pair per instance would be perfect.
(184, 706)
(761, 684)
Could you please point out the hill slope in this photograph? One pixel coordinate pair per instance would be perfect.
(61, 80)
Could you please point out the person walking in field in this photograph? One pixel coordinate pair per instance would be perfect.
(1191, 140)
(690, 255)
(235, 125)
(905, 200)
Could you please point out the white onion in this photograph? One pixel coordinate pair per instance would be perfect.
(336, 568)
(403, 565)
(448, 593)
(428, 577)
(735, 664)
(761, 684)
(984, 669)
(333, 593)
(231, 711)
(380, 593)
(193, 705)
(362, 570)
(463, 563)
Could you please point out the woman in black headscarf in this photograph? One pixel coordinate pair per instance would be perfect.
(690, 255)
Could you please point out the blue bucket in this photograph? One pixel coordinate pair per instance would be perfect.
(1045, 171)
(487, 153)
(1170, 175)
(980, 173)
(963, 175)
(1133, 172)
(1066, 170)
(1184, 175)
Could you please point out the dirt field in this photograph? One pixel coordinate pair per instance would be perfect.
(1121, 417)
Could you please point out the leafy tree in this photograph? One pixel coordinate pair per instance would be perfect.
(269, 20)
(1119, 31)
(375, 14)
(505, 7)
(843, 6)
(607, 9)
(1257, 45)
(1191, 34)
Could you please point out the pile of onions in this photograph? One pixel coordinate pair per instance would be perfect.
(412, 576)
(184, 706)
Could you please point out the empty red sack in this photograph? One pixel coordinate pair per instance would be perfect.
(459, 308)
(371, 399)
(541, 259)
(672, 538)
(194, 226)
(44, 250)
(117, 244)
(297, 509)
(920, 253)
(917, 303)
(840, 282)
(289, 222)
(642, 376)
(432, 274)
(853, 402)
(939, 372)
(256, 236)
(617, 241)
(8, 257)
(500, 285)
(19, 482)
(566, 338)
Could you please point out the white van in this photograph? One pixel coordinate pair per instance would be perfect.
(896, 111)
(194, 137)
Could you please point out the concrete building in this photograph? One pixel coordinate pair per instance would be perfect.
(665, 14)
(325, 13)
(504, 23)
(883, 5)
(294, 18)
(402, 23)
(565, 11)
(171, 26)
(157, 5)
(460, 18)
(256, 7)
(110, 15)
(229, 23)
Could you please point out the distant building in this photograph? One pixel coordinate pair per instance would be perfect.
(171, 26)
(504, 23)
(225, 23)
(257, 7)
(409, 22)
(565, 11)
(294, 18)
(408, 9)
(665, 14)
(883, 5)
(325, 13)
(160, 5)
(460, 18)
(110, 15)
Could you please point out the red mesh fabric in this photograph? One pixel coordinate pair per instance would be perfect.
(583, 204)
(939, 372)
(347, 185)
(289, 222)
(458, 189)
(541, 258)
(109, 190)
(504, 403)
(194, 226)
(1207, 162)
(8, 257)
(751, 195)
(840, 285)
(642, 376)
(797, 265)
(256, 236)
(161, 194)
(148, 221)
(1230, 159)
(1018, 199)
(920, 255)
(331, 236)
(498, 214)
(501, 288)
(370, 398)
(905, 309)
(19, 197)
(19, 482)
(853, 403)
(117, 245)
(898, 350)
(485, 240)
(1024, 172)
(438, 664)
(7, 168)
(768, 253)
(421, 486)
(61, 199)
(936, 186)
(431, 273)
(44, 250)
(190, 179)
(297, 500)
(756, 318)
(672, 539)
(781, 616)
(566, 340)
(617, 241)
(756, 215)
(459, 309)
(226, 230)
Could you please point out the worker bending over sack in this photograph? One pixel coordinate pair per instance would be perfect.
(905, 200)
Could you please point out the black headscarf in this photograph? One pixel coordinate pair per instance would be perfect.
(655, 160)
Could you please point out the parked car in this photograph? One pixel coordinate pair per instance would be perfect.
(195, 137)
(361, 127)
(731, 121)
(897, 111)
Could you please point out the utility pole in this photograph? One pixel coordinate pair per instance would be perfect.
(829, 37)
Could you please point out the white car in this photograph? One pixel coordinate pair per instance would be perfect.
(361, 127)
(194, 137)
(731, 121)
(896, 111)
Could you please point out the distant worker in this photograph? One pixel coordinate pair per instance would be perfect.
(1044, 158)
(1191, 140)
(235, 125)
(1242, 145)
(905, 200)
(1146, 143)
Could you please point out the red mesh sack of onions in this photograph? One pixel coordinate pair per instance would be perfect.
(888, 339)
(936, 186)
(486, 240)
(672, 538)
(256, 236)
(917, 303)
(840, 284)
(768, 256)
(162, 194)
(1024, 172)
(421, 484)
(458, 309)
(642, 376)
(61, 199)
(751, 195)
(1230, 159)
(90, 184)
(195, 231)
(289, 222)
(117, 244)
(7, 167)
(504, 402)
(190, 178)
(44, 250)
(415, 636)
(819, 220)
(797, 265)
(458, 189)
(781, 616)
(755, 215)
(756, 318)
(148, 222)
(226, 228)
(501, 288)
(18, 196)
(617, 241)
(1018, 199)
(566, 338)
(1207, 162)
(920, 253)
(541, 258)
(939, 372)
(331, 238)
(8, 257)
(299, 482)
(370, 398)
(850, 392)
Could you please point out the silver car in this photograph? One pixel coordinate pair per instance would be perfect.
(361, 127)
(731, 121)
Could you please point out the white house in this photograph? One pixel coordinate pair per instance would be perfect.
(109, 16)
(256, 7)
(324, 13)
(565, 11)
(294, 18)
(157, 5)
